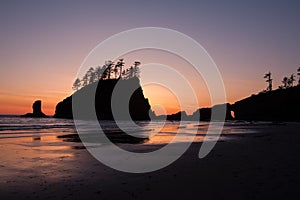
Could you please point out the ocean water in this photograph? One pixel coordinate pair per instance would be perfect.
(158, 132)
(15, 126)
(52, 144)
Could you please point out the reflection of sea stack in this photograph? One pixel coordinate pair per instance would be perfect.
(37, 110)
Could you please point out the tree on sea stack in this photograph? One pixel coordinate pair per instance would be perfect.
(108, 68)
(108, 71)
(91, 75)
(115, 71)
(285, 82)
(291, 80)
(98, 72)
(85, 80)
(120, 65)
(136, 70)
(269, 81)
(298, 73)
(76, 84)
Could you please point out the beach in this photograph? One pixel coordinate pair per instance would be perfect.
(149, 100)
(260, 163)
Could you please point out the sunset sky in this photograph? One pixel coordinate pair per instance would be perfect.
(43, 43)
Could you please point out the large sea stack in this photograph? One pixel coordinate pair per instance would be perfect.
(102, 91)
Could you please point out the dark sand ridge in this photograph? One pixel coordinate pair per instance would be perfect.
(259, 165)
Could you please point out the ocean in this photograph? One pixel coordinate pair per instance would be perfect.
(158, 132)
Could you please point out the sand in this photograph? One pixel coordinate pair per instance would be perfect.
(261, 164)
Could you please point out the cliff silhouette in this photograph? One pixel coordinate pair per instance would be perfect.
(139, 106)
(277, 105)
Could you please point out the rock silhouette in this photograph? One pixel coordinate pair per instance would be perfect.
(138, 107)
(277, 105)
(204, 114)
(178, 116)
(37, 110)
(201, 114)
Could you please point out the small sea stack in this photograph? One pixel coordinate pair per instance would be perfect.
(36, 110)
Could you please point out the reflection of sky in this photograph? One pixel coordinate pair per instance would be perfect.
(42, 44)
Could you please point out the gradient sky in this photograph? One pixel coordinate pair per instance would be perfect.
(43, 43)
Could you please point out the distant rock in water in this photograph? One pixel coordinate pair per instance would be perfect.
(277, 105)
(201, 114)
(102, 91)
(37, 110)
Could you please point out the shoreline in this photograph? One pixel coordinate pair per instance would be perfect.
(261, 164)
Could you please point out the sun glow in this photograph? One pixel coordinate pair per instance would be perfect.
(162, 99)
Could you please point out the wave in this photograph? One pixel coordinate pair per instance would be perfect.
(31, 127)
(16, 123)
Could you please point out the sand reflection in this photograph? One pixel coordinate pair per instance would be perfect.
(36, 154)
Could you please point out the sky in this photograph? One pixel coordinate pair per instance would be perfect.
(43, 43)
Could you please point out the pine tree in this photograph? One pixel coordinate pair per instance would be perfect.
(85, 80)
(91, 75)
(298, 73)
(285, 82)
(269, 81)
(136, 69)
(291, 80)
(76, 84)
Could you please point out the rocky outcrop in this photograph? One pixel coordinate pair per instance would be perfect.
(205, 113)
(277, 105)
(178, 116)
(138, 107)
(64, 109)
(37, 110)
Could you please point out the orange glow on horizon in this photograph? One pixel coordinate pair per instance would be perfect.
(160, 96)
(15, 105)
(18, 105)
(19, 98)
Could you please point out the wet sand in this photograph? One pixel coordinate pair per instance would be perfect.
(261, 164)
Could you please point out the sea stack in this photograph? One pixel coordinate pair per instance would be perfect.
(37, 110)
(139, 107)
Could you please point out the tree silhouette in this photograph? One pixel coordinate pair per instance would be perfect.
(269, 81)
(285, 82)
(84, 80)
(91, 75)
(108, 69)
(124, 74)
(103, 72)
(120, 65)
(115, 71)
(131, 72)
(298, 73)
(99, 72)
(291, 80)
(76, 84)
(136, 70)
